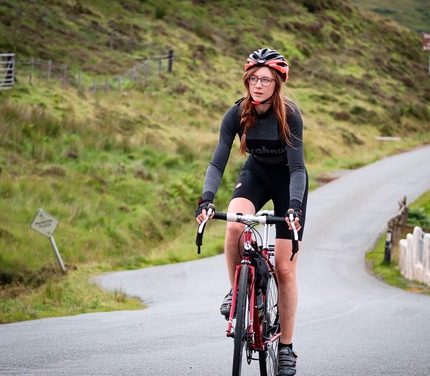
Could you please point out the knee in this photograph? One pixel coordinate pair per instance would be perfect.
(233, 230)
(286, 274)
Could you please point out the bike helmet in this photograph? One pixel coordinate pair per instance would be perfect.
(265, 57)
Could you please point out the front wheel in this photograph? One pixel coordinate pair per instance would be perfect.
(268, 359)
(242, 320)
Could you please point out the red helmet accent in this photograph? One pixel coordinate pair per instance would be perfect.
(268, 58)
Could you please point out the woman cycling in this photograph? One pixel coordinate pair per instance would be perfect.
(270, 129)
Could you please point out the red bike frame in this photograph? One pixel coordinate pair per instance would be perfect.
(254, 331)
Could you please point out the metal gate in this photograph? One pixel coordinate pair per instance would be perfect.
(7, 70)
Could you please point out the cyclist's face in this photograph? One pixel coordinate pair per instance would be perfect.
(258, 91)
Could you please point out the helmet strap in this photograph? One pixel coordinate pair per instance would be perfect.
(257, 103)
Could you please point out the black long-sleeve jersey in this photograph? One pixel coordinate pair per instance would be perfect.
(264, 143)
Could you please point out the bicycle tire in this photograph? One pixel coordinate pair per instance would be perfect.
(268, 359)
(242, 319)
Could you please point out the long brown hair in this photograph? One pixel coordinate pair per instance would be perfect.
(248, 116)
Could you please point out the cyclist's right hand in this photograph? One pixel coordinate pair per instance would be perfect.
(202, 209)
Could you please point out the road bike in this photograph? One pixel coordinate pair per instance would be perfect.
(253, 321)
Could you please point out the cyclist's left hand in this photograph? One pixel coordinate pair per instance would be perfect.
(297, 219)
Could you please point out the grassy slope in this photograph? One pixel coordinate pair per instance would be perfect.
(122, 172)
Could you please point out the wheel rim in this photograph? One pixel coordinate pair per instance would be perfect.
(242, 320)
(269, 363)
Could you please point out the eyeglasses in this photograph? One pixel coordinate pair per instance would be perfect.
(265, 81)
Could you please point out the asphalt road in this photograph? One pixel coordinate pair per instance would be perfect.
(348, 323)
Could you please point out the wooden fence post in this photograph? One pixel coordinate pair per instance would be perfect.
(170, 61)
(395, 225)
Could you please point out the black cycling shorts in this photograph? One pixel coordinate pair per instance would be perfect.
(260, 183)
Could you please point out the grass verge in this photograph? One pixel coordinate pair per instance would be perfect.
(63, 296)
(390, 273)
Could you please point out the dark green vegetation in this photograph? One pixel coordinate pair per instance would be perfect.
(122, 171)
(419, 212)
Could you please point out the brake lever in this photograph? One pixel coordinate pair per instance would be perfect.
(295, 241)
(200, 230)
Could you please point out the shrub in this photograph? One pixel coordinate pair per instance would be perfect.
(418, 217)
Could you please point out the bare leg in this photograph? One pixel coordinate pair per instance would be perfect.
(286, 272)
(233, 231)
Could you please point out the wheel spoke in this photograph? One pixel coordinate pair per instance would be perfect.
(242, 320)
(268, 359)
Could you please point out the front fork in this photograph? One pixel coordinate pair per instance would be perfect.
(229, 331)
(253, 332)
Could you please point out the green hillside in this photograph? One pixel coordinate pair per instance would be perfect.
(414, 14)
(121, 167)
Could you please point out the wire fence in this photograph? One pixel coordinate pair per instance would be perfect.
(46, 70)
(112, 36)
